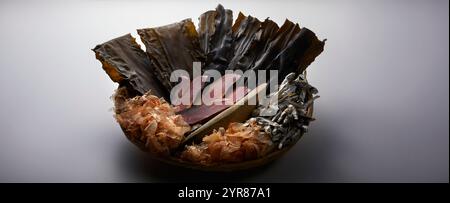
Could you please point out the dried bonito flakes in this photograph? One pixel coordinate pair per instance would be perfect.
(239, 142)
(151, 121)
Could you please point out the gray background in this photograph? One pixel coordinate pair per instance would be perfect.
(383, 77)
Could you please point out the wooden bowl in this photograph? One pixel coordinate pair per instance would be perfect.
(218, 44)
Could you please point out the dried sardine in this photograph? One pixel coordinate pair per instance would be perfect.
(291, 119)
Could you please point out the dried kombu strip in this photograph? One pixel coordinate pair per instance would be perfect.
(244, 38)
(260, 45)
(206, 28)
(299, 53)
(125, 62)
(215, 37)
(257, 43)
(290, 49)
(263, 37)
(283, 36)
(172, 47)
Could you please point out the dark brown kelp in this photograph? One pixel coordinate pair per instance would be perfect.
(298, 54)
(172, 47)
(216, 38)
(126, 63)
(244, 38)
(263, 37)
(279, 41)
(219, 45)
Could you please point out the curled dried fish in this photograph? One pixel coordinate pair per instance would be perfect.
(295, 95)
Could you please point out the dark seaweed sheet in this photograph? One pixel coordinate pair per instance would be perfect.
(244, 40)
(264, 46)
(298, 54)
(279, 41)
(248, 44)
(216, 38)
(126, 63)
(286, 49)
(172, 47)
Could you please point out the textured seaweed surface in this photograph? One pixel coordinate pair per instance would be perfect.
(248, 44)
(126, 63)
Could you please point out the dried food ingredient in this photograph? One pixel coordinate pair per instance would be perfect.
(237, 143)
(290, 121)
(215, 37)
(172, 47)
(125, 63)
(151, 121)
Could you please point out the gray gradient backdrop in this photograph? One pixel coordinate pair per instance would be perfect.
(383, 77)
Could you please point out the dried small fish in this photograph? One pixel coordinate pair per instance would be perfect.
(295, 96)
